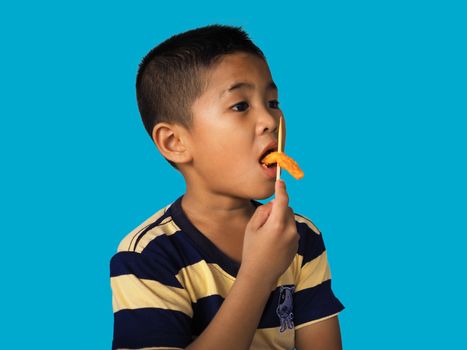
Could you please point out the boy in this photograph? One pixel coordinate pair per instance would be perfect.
(216, 269)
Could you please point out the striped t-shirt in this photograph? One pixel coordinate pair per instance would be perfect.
(168, 281)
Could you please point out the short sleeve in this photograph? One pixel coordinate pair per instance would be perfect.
(314, 299)
(150, 307)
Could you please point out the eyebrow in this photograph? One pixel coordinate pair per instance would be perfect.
(246, 85)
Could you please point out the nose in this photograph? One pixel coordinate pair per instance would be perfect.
(268, 121)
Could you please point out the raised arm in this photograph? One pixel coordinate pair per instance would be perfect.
(271, 232)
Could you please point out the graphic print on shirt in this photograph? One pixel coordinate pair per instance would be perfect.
(285, 308)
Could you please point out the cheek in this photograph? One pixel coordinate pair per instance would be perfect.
(223, 147)
(226, 155)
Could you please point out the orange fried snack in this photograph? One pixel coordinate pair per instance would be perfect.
(285, 162)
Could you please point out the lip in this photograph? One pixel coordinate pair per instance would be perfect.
(269, 172)
(272, 145)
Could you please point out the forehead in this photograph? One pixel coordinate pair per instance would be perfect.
(232, 70)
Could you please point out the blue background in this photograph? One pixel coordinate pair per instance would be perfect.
(375, 98)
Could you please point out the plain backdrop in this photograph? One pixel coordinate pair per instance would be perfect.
(374, 93)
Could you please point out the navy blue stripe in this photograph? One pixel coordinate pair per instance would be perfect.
(142, 266)
(204, 311)
(314, 303)
(311, 245)
(304, 217)
(162, 258)
(177, 249)
(148, 327)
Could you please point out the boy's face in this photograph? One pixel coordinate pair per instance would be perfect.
(232, 128)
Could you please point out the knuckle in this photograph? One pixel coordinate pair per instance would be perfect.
(279, 226)
(293, 232)
(296, 238)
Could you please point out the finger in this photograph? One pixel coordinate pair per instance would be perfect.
(260, 216)
(281, 200)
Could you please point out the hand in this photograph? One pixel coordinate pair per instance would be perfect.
(271, 239)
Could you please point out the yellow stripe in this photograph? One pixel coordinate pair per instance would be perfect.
(314, 321)
(130, 292)
(291, 275)
(130, 238)
(314, 272)
(202, 280)
(304, 219)
(205, 279)
(166, 227)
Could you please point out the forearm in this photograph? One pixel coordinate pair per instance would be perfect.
(235, 323)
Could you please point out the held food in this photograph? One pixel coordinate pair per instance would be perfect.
(285, 162)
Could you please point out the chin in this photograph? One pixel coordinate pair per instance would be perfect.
(265, 193)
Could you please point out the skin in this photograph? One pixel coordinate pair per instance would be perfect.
(219, 160)
(322, 335)
(219, 156)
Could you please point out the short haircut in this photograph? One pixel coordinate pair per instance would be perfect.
(173, 74)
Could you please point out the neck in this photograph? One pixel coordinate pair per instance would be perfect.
(215, 208)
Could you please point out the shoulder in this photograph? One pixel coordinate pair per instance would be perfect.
(308, 224)
(147, 251)
(158, 224)
(311, 243)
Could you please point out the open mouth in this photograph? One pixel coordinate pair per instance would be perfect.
(263, 156)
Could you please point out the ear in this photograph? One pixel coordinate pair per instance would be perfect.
(171, 139)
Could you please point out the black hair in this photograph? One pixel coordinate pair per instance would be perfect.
(173, 74)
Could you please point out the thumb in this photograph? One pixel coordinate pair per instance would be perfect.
(260, 216)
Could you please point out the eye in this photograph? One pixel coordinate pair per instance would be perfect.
(243, 105)
(274, 104)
